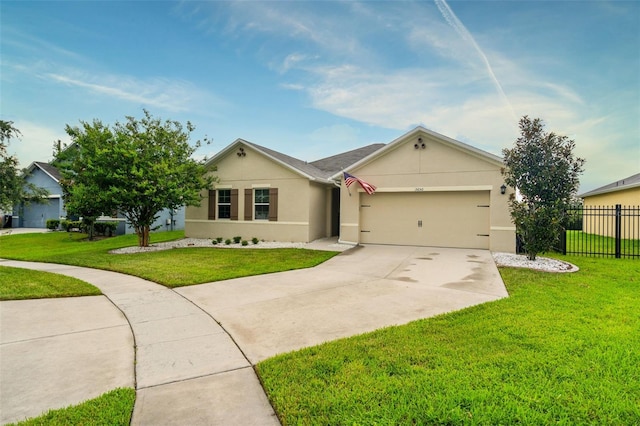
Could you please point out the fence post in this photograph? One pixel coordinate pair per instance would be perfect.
(618, 229)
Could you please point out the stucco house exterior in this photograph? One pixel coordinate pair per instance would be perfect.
(47, 176)
(431, 191)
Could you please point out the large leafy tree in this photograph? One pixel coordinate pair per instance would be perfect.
(13, 188)
(543, 168)
(138, 168)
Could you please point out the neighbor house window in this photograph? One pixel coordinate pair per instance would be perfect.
(261, 204)
(224, 204)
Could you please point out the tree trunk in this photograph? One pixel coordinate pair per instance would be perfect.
(143, 235)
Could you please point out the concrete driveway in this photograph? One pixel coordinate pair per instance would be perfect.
(188, 370)
(363, 289)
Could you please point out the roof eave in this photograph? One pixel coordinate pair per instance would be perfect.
(417, 130)
(34, 165)
(609, 190)
(237, 142)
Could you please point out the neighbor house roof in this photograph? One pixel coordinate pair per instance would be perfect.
(320, 170)
(50, 170)
(622, 184)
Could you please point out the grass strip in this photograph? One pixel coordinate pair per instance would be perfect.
(579, 242)
(18, 284)
(113, 408)
(562, 349)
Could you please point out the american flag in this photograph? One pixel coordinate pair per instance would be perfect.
(349, 179)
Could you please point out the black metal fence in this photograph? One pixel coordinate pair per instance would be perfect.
(602, 231)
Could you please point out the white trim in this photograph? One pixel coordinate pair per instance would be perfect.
(609, 190)
(350, 224)
(260, 185)
(353, 243)
(223, 186)
(419, 189)
(503, 228)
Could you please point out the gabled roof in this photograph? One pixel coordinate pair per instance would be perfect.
(47, 168)
(319, 170)
(622, 184)
(339, 162)
(491, 158)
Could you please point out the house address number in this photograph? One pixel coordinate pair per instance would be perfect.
(419, 189)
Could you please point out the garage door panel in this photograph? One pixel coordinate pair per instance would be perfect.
(446, 219)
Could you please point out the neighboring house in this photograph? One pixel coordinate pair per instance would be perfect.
(625, 192)
(34, 215)
(46, 176)
(431, 191)
(599, 216)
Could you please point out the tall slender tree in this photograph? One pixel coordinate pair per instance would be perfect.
(543, 168)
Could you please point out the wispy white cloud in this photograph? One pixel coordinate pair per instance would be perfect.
(453, 20)
(166, 94)
(35, 138)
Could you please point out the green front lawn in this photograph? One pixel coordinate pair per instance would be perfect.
(173, 268)
(110, 409)
(562, 349)
(18, 283)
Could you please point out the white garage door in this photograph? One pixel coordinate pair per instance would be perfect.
(441, 219)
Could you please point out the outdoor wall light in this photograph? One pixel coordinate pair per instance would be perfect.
(241, 152)
(503, 189)
(419, 144)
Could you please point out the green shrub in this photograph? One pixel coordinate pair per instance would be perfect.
(69, 225)
(236, 239)
(53, 224)
(245, 242)
(219, 239)
(254, 240)
(227, 241)
(214, 241)
(107, 229)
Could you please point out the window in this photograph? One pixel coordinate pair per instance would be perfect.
(261, 204)
(224, 204)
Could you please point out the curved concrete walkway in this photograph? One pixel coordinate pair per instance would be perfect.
(190, 371)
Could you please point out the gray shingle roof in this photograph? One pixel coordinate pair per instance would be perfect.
(49, 169)
(336, 163)
(626, 183)
(302, 166)
(323, 168)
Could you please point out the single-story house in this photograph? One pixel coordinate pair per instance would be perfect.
(431, 190)
(47, 176)
(598, 205)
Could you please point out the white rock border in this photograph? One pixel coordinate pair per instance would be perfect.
(206, 242)
(540, 264)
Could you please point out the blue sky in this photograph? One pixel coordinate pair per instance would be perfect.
(312, 79)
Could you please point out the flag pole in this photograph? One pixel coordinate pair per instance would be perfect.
(345, 183)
